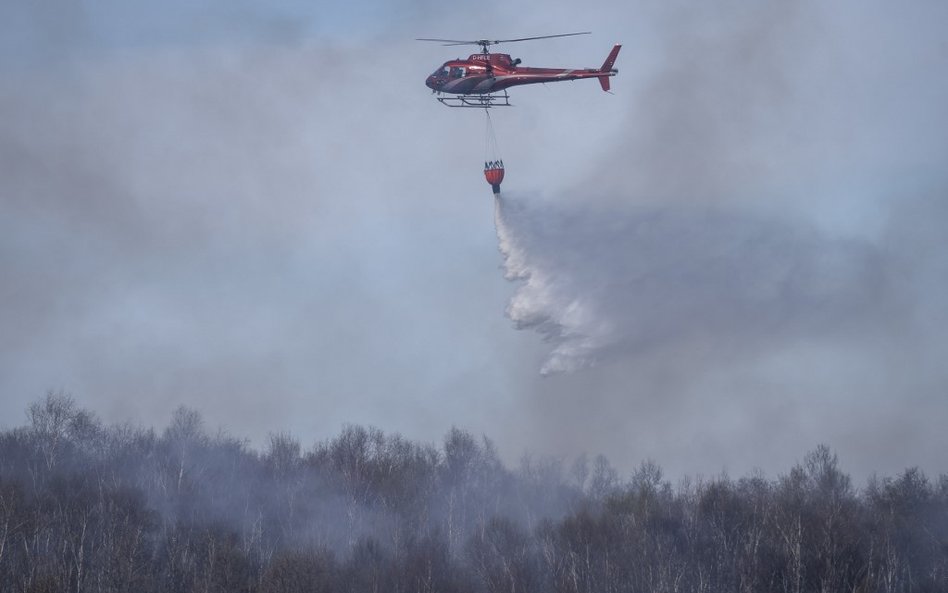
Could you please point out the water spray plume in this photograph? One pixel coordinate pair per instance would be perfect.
(613, 285)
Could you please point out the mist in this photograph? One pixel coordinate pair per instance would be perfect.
(262, 214)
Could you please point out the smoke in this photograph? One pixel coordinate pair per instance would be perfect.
(198, 210)
(599, 285)
(194, 224)
(748, 199)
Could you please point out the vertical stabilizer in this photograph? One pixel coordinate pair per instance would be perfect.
(607, 67)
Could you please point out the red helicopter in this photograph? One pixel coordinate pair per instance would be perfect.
(475, 79)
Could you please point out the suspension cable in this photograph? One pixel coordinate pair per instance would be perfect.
(492, 149)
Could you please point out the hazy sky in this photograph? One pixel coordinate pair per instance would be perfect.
(257, 209)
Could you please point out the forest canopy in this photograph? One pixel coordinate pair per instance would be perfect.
(86, 506)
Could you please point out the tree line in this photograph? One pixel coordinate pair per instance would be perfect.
(88, 507)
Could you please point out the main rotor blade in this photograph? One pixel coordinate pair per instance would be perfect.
(541, 37)
(448, 41)
(486, 42)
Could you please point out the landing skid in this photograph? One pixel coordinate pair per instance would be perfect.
(479, 101)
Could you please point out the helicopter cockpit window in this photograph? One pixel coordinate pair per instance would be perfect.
(457, 72)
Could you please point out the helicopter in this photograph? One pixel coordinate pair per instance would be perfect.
(475, 80)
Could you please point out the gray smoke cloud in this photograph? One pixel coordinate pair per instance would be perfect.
(259, 211)
(748, 260)
(752, 194)
(212, 225)
(723, 340)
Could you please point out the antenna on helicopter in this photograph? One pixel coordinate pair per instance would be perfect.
(485, 43)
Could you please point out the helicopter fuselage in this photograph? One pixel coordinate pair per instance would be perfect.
(486, 73)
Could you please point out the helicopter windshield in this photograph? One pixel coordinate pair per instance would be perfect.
(442, 71)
